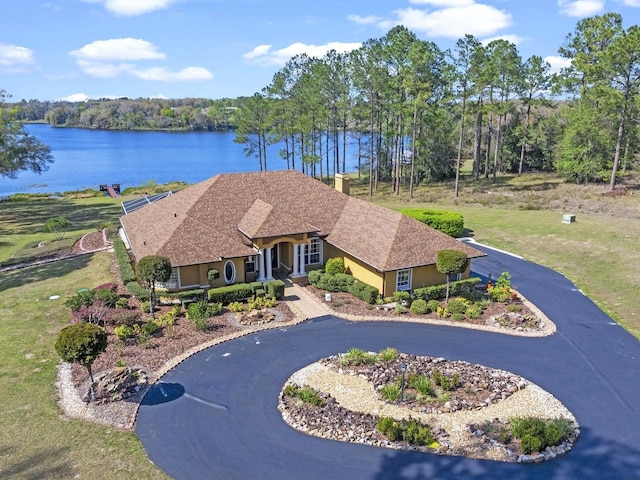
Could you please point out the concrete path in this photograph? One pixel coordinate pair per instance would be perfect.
(215, 415)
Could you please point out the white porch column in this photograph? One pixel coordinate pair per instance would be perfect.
(302, 270)
(296, 259)
(261, 277)
(268, 260)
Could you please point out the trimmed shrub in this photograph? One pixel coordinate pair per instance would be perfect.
(365, 292)
(437, 292)
(450, 223)
(124, 261)
(335, 266)
(457, 305)
(256, 285)
(275, 289)
(433, 305)
(314, 277)
(125, 317)
(339, 282)
(231, 293)
(135, 289)
(473, 311)
(410, 431)
(419, 307)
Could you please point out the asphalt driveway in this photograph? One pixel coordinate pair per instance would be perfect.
(215, 417)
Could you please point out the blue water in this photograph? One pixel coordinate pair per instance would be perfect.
(88, 158)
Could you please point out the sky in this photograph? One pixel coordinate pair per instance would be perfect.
(80, 49)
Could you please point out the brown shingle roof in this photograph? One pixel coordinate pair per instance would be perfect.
(212, 220)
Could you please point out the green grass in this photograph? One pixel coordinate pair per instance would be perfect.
(35, 441)
(523, 215)
(22, 223)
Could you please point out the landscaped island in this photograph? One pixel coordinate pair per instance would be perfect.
(394, 400)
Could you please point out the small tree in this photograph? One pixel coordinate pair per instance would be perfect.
(152, 269)
(451, 262)
(82, 343)
(57, 226)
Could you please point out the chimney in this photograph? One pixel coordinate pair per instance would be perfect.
(342, 183)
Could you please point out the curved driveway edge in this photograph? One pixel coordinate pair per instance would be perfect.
(215, 415)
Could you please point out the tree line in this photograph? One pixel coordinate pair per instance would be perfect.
(196, 114)
(414, 111)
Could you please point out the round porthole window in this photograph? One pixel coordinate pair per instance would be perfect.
(229, 272)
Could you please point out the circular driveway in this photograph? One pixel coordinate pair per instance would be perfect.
(215, 415)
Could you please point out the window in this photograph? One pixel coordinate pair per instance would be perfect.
(250, 264)
(172, 283)
(403, 280)
(454, 277)
(229, 272)
(313, 252)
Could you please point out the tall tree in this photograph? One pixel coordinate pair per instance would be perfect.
(463, 62)
(253, 128)
(19, 151)
(536, 80)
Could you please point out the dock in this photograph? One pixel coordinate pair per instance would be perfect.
(113, 190)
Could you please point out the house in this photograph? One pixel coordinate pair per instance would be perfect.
(254, 226)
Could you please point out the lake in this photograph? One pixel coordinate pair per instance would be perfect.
(88, 158)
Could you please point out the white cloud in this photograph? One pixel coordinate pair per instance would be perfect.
(557, 63)
(259, 51)
(262, 54)
(629, 3)
(119, 56)
(15, 59)
(580, 8)
(161, 74)
(74, 97)
(453, 22)
(118, 49)
(515, 39)
(365, 20)
(444, 3)
(133, 7)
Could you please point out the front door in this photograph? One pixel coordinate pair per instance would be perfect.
(275, 257)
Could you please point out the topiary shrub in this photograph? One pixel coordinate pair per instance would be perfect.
(419, 307)
(275, 289)
(334, 266)
(82, 343)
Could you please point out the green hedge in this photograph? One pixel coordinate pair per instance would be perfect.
(450, 223)
(231, 293)
(437, 292)
(195, 294)
(340, 282)
(138, 291)
(124, 261)
(256, 285)
(364, 292)
(275, 289)
(314, 277)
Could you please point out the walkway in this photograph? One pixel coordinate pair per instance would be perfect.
(215, 415)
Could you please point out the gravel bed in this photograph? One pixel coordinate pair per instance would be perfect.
(354, 404)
